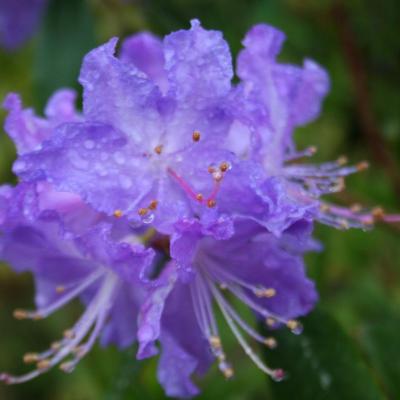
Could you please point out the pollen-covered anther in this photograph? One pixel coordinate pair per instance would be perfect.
(20, 314)
(295, 326)
(211, 169)
(270, 342)
(227, 371)
(362, 166)
(143, 211)
(265, 292)
(215, 342)
(69, 334)
(153, 205)
(196, 136)
(378, 213)
(211, 203)
(270, 321)
(43, 364)
(199, 197)
(66, 366)
(60, 289)
(158, 149)
(312, 150)
(118, 213)
(30, 358)
(56, 346)
(224, 166)
(342, 160)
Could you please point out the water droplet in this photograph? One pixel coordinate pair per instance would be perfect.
(148, 218)
(89, 144)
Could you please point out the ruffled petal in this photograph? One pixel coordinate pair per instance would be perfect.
(81, 155)
(151, 312)
(27, 130)
(198, 64)
(145, 51)
(119, 94)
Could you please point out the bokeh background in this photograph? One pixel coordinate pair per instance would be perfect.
(350, 348)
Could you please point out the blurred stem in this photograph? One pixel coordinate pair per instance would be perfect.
(359, 77)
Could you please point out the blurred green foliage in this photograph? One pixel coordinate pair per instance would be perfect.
(350, 350)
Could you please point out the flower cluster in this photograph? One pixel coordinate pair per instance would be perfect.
(173, 194)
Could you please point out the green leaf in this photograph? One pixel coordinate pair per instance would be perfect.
(321, 363)
(67, 35)
(382, 345)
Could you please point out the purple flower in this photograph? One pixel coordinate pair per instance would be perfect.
(209, 262)
(18, 20)
(149, 131)
(73, 253)
(172, 192)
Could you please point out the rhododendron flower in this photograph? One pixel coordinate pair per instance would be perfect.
(173, 194)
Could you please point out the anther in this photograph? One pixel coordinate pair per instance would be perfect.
(43, 364)
(153, 205)
(270, 321)
(342, 160)
(270, 342)
(196, 136)
(30, 358)
(215, 342)
(69, 334)
(211, 203)
(377, 213)
(20, 314)
(66, 366)
(158, 149)
(262, 292)
(312, 150)
(362, 166)
(228, 372)
(60, 289)
(295, 326)
(224, 167)
(143, 211)
(118, 213)
(199, 197)
(211, 169)
(56, 346)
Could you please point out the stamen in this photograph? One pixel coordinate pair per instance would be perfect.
(362, 166)
(271, 342)
(262, 292)
(271, 322)
(199, 197)
(295, 326)
(30, 358)
(158, 149)
(196, 136)
(342, 160)
(20, 314)
(153, 205)
(247, 349)
(43, 365)
(143, 211)
(60, 289)
(69, 334)
(224, 166)
(211, 203)
(118, 213)
(278, 375)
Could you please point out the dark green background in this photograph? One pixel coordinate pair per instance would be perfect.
(350, 348)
